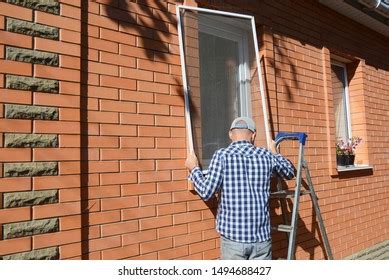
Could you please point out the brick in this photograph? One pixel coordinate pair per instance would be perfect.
(104, 243)
(168, 209)
(15, 184)
(117, 106)
(60, 22)
(70, 141)
(103, 69)
(104, 217)
(154, 131)
(22, 126)
(103, 166)
(118, 130)
(103, 45)
(12, 215)
(156, 109)
(58, 238)
(118, 154)
(103, 142)
(119, 228)
(136, 74)
(156, 245)
(170, 121)
(154, 153)
(132, 95)
(152, 87)
(117, 36)
(137, 165)
(40, 154)
(169, 100)
(172, 231)
(15, 67)
(201, 246)
(173, 253)
(103, 117)
(135, 189)
(55, 46)
(153, 66)
(15, 96)
(56, 127)
(172, 186)
(136, 142)
(115, 59)
(69, 36)
(140, 119)
(138, 213)
(70, 250)
(170, 164)
(157, 222)
(186, 217)
(15, 245)
(49, 72)
(121, 253)
(154, 176)
(56, 182)
(171, 143)
(103, 92)
(121, 83)
(154, 199)
(55, 210)
(15, 11)
(15, 154)
(119, 203)
(103, 192)
(139, 237)
(118, 178)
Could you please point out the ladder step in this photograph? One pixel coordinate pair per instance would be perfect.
(287, 193)
(283, 228)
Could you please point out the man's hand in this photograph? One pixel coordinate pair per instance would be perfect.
(273, 147)
(191, 161)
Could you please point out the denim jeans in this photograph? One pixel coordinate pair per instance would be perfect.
(232, 250)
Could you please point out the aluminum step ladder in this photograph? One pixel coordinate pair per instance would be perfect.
(282, 194)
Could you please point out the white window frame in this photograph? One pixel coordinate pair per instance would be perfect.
(346, 96)
(185, 81)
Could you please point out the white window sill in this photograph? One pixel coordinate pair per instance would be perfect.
(353, 168)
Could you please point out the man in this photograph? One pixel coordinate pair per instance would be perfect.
(242, 173)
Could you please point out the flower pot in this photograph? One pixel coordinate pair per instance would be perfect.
(344, 160)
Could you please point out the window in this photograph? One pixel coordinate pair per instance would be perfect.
(341, 101)
(219, 57)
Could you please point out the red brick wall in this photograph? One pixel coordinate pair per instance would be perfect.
(122, 190)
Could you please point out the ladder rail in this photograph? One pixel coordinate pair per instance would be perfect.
(291, 229)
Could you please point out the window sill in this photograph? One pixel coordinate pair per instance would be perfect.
(353, 168)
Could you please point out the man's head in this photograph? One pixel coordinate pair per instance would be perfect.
(242, 128)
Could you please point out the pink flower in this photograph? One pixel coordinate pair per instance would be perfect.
(347, 146)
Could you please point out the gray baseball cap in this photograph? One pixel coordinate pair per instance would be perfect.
(243, 123)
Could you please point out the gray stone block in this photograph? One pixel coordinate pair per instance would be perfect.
(32, 29)
(49, 6)
(379, 251)
(31, 56)
(29, 169)
(41, 254)
(31, 198)
(30, 112)
(30, 140)
(29, 228)
(29, 83)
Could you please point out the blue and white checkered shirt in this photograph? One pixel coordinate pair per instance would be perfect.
(242, 172)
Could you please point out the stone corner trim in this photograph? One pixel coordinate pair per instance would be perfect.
(28, 169)
(31, 56)
(29, 198)
(51, 253)
(30, 83)
(32, 29)
(30, 140)
(29, 228)
(13, 111)
(48, 6)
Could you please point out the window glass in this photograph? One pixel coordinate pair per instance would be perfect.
(340, 97)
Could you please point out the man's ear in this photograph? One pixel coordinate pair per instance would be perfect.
(230, 135)
(253, 137)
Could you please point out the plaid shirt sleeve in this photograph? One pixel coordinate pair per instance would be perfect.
(207, 185)
(282, 166)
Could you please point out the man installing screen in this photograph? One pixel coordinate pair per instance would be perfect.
(242, 173)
